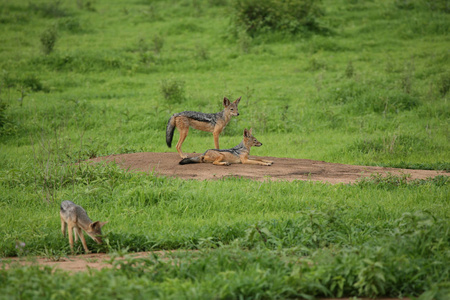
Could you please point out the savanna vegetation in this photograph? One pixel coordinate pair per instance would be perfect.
(357, 82)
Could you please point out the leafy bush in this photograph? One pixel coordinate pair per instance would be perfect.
(173, 90)
(261, 16)
(158, 43)
(72, 25)
(49, 10)
(48, 39)
(32, 82)
(27, 81)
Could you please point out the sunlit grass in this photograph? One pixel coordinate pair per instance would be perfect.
(371, 90)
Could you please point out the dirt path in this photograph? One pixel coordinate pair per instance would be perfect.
(77, 263)
(283, 169)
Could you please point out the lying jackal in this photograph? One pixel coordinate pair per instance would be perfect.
(76, 218)
(214, 123)
(236, 155)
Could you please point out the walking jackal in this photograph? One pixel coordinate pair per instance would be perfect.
(214, 123)
(76, 218)
(236, 155)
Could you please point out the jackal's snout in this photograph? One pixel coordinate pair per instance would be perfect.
(98, 239)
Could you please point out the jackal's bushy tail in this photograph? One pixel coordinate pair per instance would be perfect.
(191, 160)
(169, 131)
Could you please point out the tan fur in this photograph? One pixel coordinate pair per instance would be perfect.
(182, 123)
(237, 155)
(75, 219)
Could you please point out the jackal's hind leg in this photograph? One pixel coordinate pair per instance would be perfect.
(75, 234)
(183, 134)
(219, 161)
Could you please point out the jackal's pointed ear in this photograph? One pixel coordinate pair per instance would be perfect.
(237, 100)
(97, 224)
(250, 131)
(226, 101)
(246, 133)
(94, 224)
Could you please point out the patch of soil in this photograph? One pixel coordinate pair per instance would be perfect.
(77, 263)
(288, 169)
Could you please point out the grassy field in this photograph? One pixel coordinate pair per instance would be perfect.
(355, 82)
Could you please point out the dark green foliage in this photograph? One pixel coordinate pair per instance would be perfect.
(28, 81)
(13, 14)
(349, 70)
(49, 10)
(173, 90)
(48, 40)
(263, 16)
(33, 83)
(70, 24)
(158, 43)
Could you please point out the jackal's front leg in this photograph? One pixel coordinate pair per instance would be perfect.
(70, 232)
(216, 134)
(249, 161)
(83, 240)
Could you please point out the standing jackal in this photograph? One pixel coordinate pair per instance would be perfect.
(236, 155)
(214, 123)
(76, 218)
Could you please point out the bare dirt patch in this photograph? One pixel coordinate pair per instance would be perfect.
(77, 263)
(289, 169)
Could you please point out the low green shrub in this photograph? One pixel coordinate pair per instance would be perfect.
(263, 16)
(172, 90)
(48, 40)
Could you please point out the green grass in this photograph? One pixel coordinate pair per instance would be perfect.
(370, 87)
